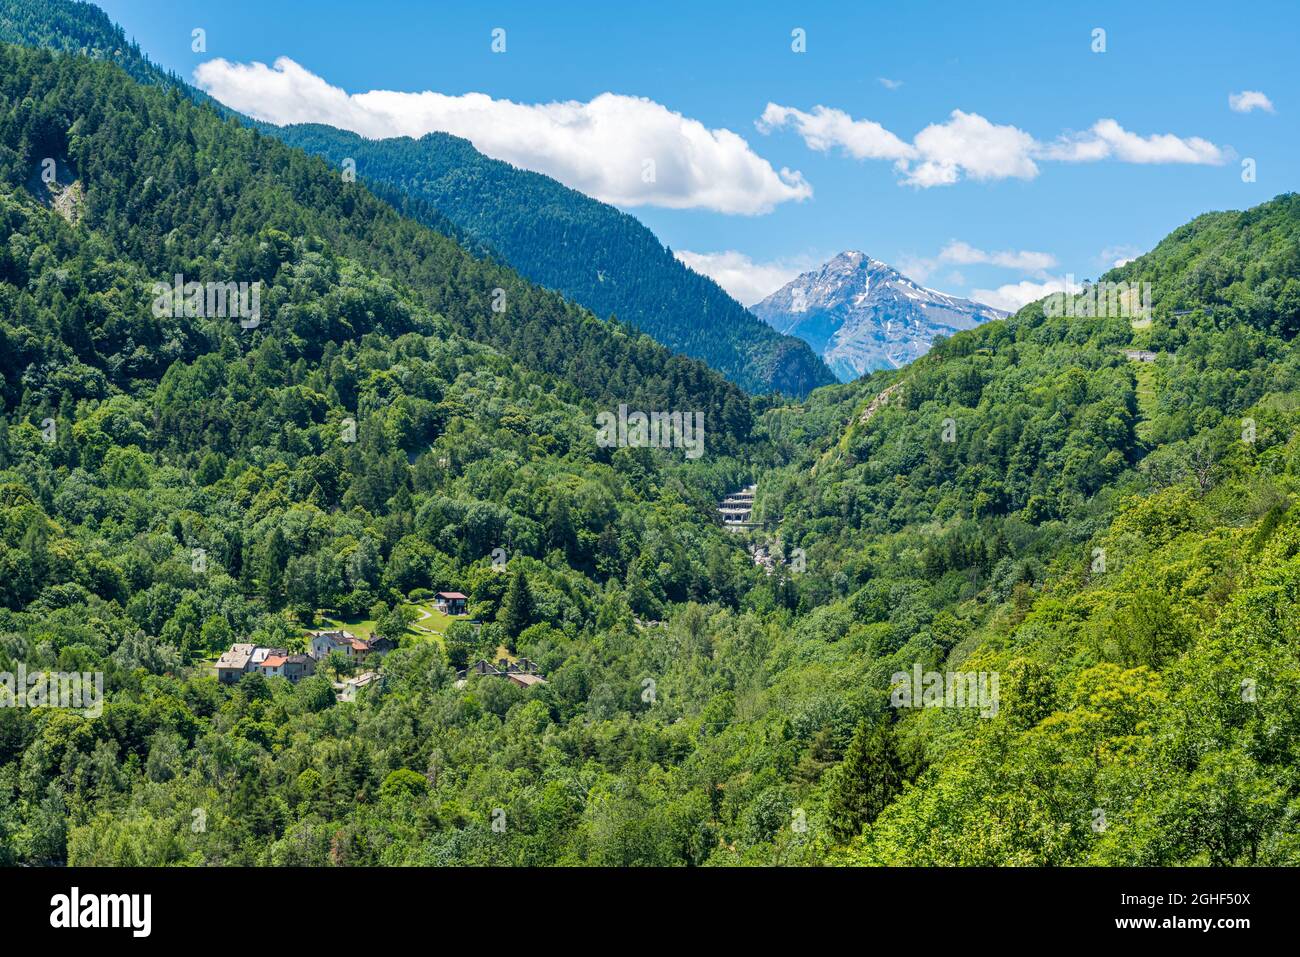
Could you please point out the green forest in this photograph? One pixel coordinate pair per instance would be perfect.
(1117, 541)
(590, 252)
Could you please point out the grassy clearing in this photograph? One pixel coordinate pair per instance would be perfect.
(1145, 374)
(361, 627)
(430, 618)
(429, 624)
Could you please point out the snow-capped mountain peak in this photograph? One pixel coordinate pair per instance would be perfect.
(861, 314)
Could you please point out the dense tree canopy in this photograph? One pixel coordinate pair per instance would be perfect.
(1117, 542)
(591, 252)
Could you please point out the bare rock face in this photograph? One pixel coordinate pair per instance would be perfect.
(53, 182)
(860, 314)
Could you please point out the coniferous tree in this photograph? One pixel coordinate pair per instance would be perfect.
(517, 605)
(274, 560)
(864, 783)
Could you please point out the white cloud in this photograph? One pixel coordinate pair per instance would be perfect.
(1248, 100)
(1115, 256)
(604, 147)
(1107, 139)
(966, 254)
(889, 84)
(962, 253)
(967, 145)
(748, 282)
(1012, 296)
(916, 268)
(825, 128)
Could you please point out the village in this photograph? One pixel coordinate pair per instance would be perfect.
(365, 654)
(245, 658)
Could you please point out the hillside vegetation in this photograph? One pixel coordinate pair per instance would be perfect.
(1124, 556)
(591, 252)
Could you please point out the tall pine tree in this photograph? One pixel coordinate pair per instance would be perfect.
(863, 784)
(517, 606)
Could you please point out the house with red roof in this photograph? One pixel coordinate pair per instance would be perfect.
(272, 665)
(246, 659)
(326, 643)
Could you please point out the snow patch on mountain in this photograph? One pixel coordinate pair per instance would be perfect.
(861, 314)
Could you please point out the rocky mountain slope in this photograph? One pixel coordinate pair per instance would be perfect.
(860, 314)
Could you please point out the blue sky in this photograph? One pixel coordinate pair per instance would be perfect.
(1025, 184)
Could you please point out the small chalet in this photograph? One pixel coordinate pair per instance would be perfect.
(381, 646)
(325, 643)
(523, 672)
(350, 687)
(233, 664)
(272, 664)
(297, 667)
(450, 602)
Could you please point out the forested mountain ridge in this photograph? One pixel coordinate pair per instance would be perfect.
(351, 449)
(1117, 540)
(159, 209)
(592, 253)
(71, 26)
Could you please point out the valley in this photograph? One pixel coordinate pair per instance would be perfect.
(1021, 589)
